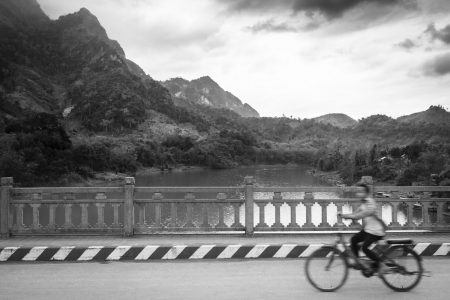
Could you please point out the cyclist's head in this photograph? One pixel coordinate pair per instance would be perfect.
(363, 190)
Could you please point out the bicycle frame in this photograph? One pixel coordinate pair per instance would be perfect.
(347, 253)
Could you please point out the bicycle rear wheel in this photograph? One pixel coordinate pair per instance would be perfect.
(326, 269)
(404, 268)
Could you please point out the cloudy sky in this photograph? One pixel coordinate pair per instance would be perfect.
(295, 57)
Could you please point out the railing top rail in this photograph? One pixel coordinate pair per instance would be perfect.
(184, 201)
(306, 189)
(407, 189)
(64, 201)
(57, 190)
(380, 200)
(317, 189)
(188, 189)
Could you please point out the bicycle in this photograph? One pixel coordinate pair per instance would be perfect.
(402, 269)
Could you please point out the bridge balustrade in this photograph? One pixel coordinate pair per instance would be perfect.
(249, 208)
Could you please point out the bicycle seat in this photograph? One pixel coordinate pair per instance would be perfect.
(399, 241)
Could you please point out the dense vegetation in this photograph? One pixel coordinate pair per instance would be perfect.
(37, 150)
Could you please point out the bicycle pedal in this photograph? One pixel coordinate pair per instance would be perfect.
(426, 274)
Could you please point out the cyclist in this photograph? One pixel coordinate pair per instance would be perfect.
(373, 227)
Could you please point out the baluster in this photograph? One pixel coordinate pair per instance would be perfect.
(339, 206)
(141, 215)
(293, 206)
(68, 211)
(308, 202)
(440, 214)
(68, 216)
(158, 197)
(36, 225)
(354, 223)
(173, 215)
(205, 223)
(425, 215)
(237, 222)
(221, 224)
(35, 207)
(116, 223)
(189, 197)
(100, 210)
(277, 202)
(11, 213)
(324, 221)
(262, 217)
(19, 218)
(100, 215)
(84, 216)
(409, 212)
(52, 217)
(395, 222)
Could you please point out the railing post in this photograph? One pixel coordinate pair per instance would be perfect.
(308, 203)
(249, 185)
(128, 207)
(6, 186)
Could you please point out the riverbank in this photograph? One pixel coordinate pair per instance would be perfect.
(331, 178)
(117, 179)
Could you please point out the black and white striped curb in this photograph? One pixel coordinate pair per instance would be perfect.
(144, 253)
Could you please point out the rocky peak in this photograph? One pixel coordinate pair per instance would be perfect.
(84, 22)
(205, 91)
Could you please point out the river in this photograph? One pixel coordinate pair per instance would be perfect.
(265, 175)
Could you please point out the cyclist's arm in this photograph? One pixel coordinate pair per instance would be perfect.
(369, 209)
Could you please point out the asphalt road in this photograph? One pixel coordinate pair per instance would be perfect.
(249, 279)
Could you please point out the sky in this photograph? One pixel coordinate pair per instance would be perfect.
(300, 58)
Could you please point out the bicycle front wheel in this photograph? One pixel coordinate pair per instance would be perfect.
(326, 269)
(404, 268)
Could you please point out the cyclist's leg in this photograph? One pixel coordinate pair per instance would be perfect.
(355, 240)
(369, 240)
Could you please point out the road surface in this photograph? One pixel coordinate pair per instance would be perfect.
(250, 279)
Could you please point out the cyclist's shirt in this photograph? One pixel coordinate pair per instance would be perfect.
(370, 219)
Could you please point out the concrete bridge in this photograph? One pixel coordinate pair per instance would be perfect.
(248, 221)
(130, 210)
(261, 232)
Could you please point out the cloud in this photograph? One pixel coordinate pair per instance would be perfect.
(407, 44)
(328, 8)
(442, 35)
(429, 35)
(438, 66)
(270, 25)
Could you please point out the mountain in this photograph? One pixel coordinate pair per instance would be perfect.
(21, 13)
(337, 120)
(433, 115)
(70, 66)
(205, 91)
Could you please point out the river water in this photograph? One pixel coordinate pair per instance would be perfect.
(274, 175)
